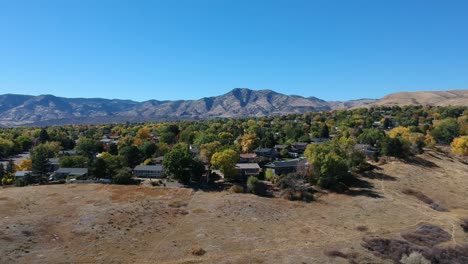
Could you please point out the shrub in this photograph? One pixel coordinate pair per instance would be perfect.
(254, 185)
(427, 235)
(177, 203)
(20, 182)
(336, 253)
(362, 228)
(414, 258)
(464, 225)
(156, 183)
(124, 176)
(236, 189)
(7, 180)
(297, 195)
(198, 251)
(390, 248)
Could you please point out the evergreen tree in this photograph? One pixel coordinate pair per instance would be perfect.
(10, 168)
(40, 160)
(2, 171)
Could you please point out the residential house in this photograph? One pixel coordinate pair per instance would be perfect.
(299, 147)
(53, 164)
(21, 174)
(158, 160)
(248, 169)
(267, 152)
(288, 166)
(247, 157)
(280, 148)
(319, 141)
(63, 173)
(149, 171)
(67, 153)
(367, 150)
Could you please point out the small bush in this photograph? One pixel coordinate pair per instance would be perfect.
(177, 204)
(390, 248)
(362, 228)
(156, 183)
(20, 182)
(198, 211)
(336, 253)
(464, 225)
(254, 185)
(449, 255)
(427, 235)
(414, 258)
(236, 189)
(198, 251)
(297, 195)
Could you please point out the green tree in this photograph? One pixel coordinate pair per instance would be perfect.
(6, 147)
(40, 160)
(255, 186)
(100, 169)
(131, 155)
(446, 130)
(324, 132)
(88, 147)
(2, 171)
(394, 147)
(73, 162)
(177, 163)
(43, 136)
(10, 168)
(148, 149)
(123, 176)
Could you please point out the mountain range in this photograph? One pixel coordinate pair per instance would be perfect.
(44, 110)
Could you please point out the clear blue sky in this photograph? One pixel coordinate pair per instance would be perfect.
(188, 49)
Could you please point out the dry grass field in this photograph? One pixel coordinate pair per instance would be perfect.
(135, 224)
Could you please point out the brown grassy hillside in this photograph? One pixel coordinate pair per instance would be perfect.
(435, 98)
(131, 224)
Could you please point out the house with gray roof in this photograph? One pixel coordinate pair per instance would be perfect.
(63, 173)
(248, 169)
(299, 165)
(149, 171)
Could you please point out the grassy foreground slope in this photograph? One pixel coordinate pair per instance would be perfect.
(136, 224)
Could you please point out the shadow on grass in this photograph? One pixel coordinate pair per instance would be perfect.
(378, 176)
(421, 162)
(360, 187)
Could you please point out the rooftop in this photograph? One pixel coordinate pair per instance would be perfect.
(73, 171)
(246, 166)
(148, 168)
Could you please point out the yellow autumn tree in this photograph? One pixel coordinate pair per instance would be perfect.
(399, 132)
(463, 123)
(248, 142)
(25, 165)
(143, 133)
(459, 146)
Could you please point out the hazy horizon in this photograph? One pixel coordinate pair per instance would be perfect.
(185, 50)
